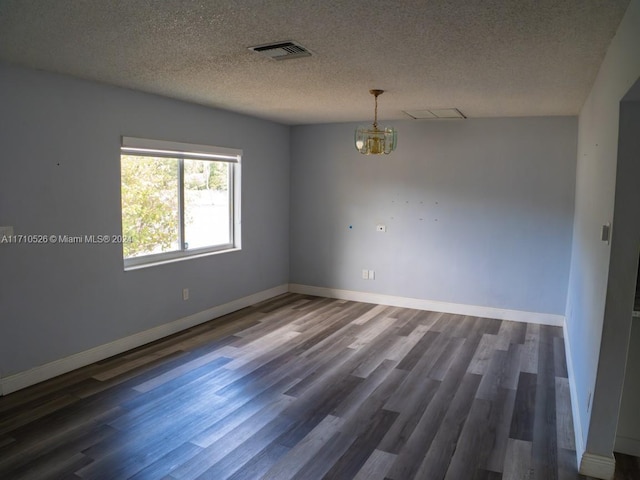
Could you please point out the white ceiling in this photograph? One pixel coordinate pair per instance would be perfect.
(485, 57)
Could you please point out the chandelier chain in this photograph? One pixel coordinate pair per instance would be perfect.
(375, 115)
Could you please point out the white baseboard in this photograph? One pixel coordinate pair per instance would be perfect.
(575, 407)
(432, 305)
(44, 372)
(597, 466)
(628, 446)
(589, 464)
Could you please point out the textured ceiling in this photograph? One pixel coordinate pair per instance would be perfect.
(486, 57)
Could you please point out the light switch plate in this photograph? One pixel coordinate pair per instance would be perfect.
(605, 235)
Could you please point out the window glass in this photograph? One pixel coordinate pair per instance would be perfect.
(178, 200)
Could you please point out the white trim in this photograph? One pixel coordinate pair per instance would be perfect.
(44, 372)
(597, 466)
(156, 259)
(169, 147)
(589, 464)
(573, 389)
(628, 446)
(432, 305)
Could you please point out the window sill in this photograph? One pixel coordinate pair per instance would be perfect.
(182, 258)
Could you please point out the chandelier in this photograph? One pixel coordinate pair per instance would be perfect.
(376, 140)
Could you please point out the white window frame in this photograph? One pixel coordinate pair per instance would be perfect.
(188, 151)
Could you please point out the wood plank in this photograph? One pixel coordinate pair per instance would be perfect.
(275, 391)
(375, 356)
(330, 452)
(410, 457)
(483, 440)
(45, 454)
(212, 359)
(473, 442)
(503, 405)
(168, 462)
(487, 475)
(518, 465)
(411, 411)
(19, 418)
(544, 447)
(524, 408)
(405, 344)
(257, 446)
(314, 406)
(441, 366)
(436, 463)
(226, 444)
(568, 469)
(365, 389)
(60, 468)
(559, 361)
(417, 352)
(502, 372)
(305, 450)
(371, 330)
(481, 359)
(529, 358)
(354, 458)
(260, 463)
(564, 419)
(376, 466)
(6, 440)
(510, 332)
(263, 403)
(258, 348)
(376, 311)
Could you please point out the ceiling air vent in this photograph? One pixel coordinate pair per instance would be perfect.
(282, 50)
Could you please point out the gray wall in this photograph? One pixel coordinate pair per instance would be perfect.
(594, 206)
(479, 212)
(628, 432)
(60, 174)
(621, 282)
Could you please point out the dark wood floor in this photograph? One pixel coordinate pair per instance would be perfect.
(627, 467)
(307, 388)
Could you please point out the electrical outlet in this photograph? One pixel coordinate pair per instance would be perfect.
(185, 294)
(365, 274)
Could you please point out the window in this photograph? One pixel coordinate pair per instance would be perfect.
(178, 200)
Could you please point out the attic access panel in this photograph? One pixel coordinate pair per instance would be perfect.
(282, 50)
